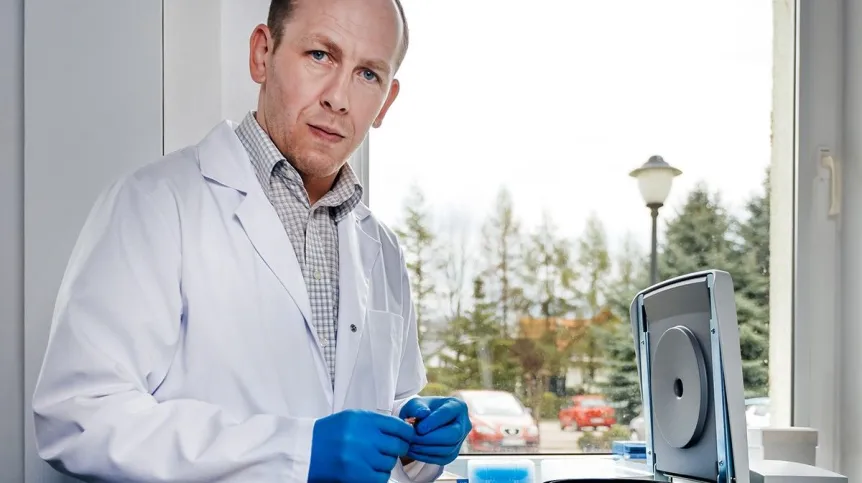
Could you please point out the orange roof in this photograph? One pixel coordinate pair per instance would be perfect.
(566, 331)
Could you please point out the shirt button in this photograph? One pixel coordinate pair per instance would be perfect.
(317, 274)
(324, 342)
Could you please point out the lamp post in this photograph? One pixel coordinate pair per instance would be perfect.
(654, 180)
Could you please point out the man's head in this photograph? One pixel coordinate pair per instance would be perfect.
(326, 70)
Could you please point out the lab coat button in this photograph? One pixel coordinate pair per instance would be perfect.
(352, 327)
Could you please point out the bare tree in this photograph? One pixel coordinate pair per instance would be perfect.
(594, 263)
(456, 263)
(501, 245)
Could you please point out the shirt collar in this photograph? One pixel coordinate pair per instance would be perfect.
(345, 194)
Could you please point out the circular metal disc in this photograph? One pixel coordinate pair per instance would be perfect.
(679, 387)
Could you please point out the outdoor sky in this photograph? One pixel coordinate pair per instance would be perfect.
(560, 99)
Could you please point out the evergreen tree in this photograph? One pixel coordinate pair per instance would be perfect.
(506, 370)
(550, 276)
(698, 237)
(632, 276)
(702, 236)
(418, 244)
(751, 279)
(471, 341)
(594, 263)
(454, 267)
(501, 248)
(458, 358)
(623, 385)
(549, 272)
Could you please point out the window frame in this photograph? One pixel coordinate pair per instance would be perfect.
(360, 163)
(807, 52)
(816, 279)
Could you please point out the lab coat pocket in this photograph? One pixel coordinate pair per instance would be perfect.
(384, 331)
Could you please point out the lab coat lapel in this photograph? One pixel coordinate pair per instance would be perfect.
(266, 232)
(224, 160)
(358, 252)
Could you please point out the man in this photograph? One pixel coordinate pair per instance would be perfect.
(233, 312)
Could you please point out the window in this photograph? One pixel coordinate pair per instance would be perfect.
(504, 167)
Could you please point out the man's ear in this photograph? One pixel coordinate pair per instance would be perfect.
(260, 46)
(393, 93)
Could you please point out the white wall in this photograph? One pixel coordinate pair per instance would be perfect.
(238, 19)
(207, 75)
(192, 70)
(12, 240)
(92, 110)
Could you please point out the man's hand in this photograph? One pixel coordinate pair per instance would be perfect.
(441, 426)
(357, 446)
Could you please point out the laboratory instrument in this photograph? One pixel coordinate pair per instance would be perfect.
(686, 337)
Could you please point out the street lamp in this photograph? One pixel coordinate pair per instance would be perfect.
(654, 180)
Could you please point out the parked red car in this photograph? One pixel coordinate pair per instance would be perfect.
(591, 411)
(501, 424)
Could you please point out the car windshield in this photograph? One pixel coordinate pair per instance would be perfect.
(496, 405)
(593, 403)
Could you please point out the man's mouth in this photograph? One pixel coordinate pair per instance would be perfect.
(326, 132)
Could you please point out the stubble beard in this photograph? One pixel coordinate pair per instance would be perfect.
(315, 166)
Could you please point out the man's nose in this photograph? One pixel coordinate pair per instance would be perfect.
(336, 96)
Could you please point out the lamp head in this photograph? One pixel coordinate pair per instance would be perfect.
(654, 180)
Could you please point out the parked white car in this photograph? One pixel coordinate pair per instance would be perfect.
(756, 416)
(636, 425)
(757, 412)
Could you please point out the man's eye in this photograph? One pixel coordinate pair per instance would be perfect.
(368, 75)
(318, 55)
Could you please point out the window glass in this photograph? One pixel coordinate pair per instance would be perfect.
(504, 166)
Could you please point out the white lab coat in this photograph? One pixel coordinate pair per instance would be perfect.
(182, 347)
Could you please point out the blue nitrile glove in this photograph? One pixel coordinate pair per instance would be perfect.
(355, 445)
(442, 424)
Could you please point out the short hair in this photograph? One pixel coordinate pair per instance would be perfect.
(280, 12)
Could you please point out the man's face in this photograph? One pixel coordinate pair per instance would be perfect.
(330, 78)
